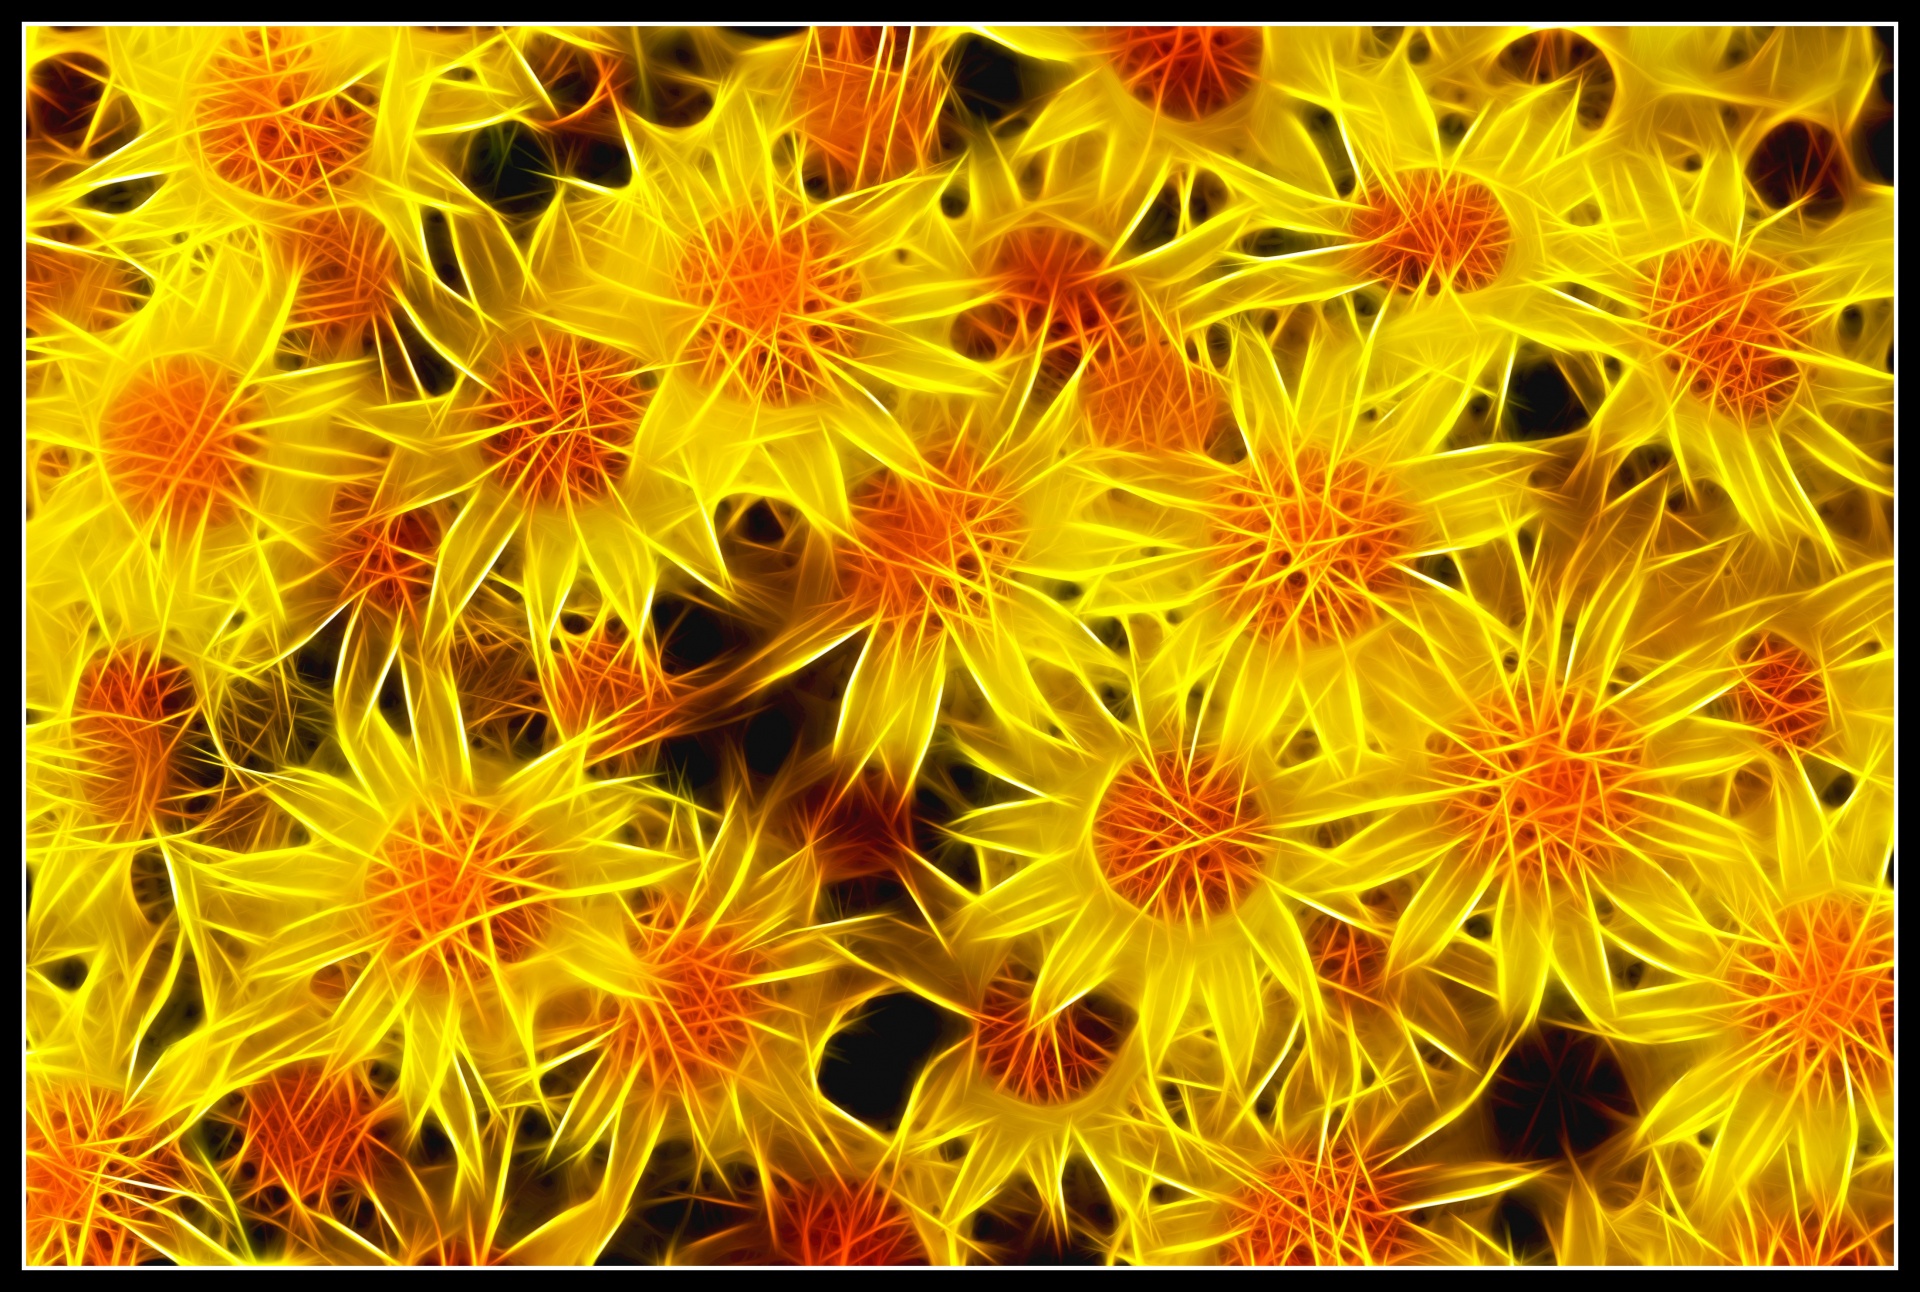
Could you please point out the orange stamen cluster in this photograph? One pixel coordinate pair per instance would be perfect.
(1306, 549)
(1147, 396)
(854, 833)
(309, 1132)
(347, 268)
(177, 440)
(273, 128)
(91, 1174)
(566, 411)
(696, 1003)
(1730, 330)
(91, 293)
(1816, 1000)
(829, 1223)
(1040, 1058)
(935, 547)
(387, 557)
(130, 722)
(777, 291)
(459, 890)
(1179, 837)
(1053, 289)
(1348, 957)
(1324, 1206)
(64, 94)
(869, 99)
(1187, 72)
(1780, 692)
(614, 687)
(1545, 792)
(1434, 229)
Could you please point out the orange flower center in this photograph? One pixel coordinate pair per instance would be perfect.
(347, 269)
(1731, 331)
(1325, 1206)
(1053, 290)
(1436, 229)
(869, 107)
(777, 292)
(1178, 838)
(566, 411)
(1808, 1239)
(1818, 1003)
(1547, 795)
(1780, 692)
(89, 1171)
(828, 1223)
(308, 1133)
(176, 445)
(694, 1015)
(1307, 553)
(1041, 1058)
(1348, 957)
(90, 292)
(131, 718)
(615, 688)
(1187, 72)
(459, 891)
(272, 128)
(939, 547)
(387, 557)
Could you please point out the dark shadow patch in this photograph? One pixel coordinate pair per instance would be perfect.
(760, 34)
(681, 1205)
(393, 703)
(848, 899)
(1269, 243)
(692, 635)
(771, 736)
(1324, 131)
(1541, 401)
(1111, 633)
(184, 1011)
(437, 232)
(675, 85)
(1558, 1093)
(1544, 57)
(1800, 162)
(872, 1061)
(63, 97)
(1207, 196)
(991, 83)
(690, 767)
(1442, 569)
(68, 974)
(594, 158)
(122, 196)
(1873, 125)
(432, 371)
(152, 885)
(1018, 1228)
(510, 167)
(1518, 1228)
(1159, 225)
(1641, 465)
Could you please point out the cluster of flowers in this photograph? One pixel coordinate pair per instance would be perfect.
(923, 645)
